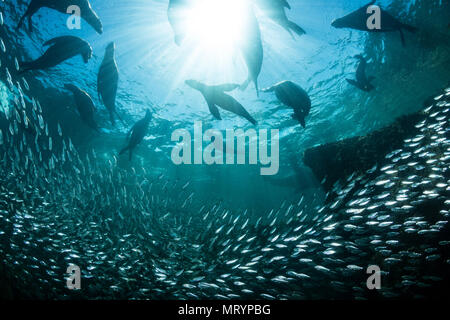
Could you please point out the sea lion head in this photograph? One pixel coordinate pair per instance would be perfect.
(300, 117)
(148, 115)
(92, 18)
(111, 47)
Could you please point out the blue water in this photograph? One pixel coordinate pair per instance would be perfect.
(153, 70)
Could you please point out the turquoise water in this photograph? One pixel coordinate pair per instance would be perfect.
(153, 70)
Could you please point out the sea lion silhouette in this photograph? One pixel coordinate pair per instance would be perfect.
(293, 96)
(358, 20)
(107, 82)
(85, 105)
(362, 81)
(86, 11)
(276, 11)
(60, 50)
(252, 48)
(176, 13)
(137, 134)
(215, 96)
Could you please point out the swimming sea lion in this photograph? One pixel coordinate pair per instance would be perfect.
(61, 49)
(176, 13)
(275, 10)
(358, 20)
(215, 96)
(107, 81)
(85, 105)
(252, 49)
(294, 97)
(362, 81)
(86, 11)
(137, 133)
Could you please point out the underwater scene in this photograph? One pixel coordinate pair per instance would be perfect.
(224, 149)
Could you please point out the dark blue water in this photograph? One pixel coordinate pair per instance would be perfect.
(148, 228)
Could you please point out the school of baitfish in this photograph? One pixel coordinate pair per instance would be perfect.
(59, 207)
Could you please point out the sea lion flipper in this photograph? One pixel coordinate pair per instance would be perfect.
(214, 110)
(124, 150)
(230, 104)
(270, 89)
(251, 119)
(21, 21)
(296, 28)
(31, 10)
(352, 82)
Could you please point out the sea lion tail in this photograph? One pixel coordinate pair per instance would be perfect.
(179, 39)
(296, 28)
